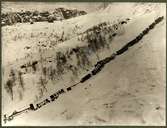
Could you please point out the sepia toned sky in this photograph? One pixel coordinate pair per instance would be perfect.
(49, 6)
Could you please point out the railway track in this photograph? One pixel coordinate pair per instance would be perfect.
(97, 68)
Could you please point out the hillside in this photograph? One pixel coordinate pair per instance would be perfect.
(129, 90)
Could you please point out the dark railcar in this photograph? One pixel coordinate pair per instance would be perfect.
(32, 107)
(151, 26)
(145, 31)
(159, 19)
(53, 97)
(138, 38)
(131, 43)
(69, 89)
(122, 50)
(85, 78)
(98, 67)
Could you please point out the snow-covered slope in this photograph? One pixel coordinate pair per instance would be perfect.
(129, 90)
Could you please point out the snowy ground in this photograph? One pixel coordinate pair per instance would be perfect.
(128, 91)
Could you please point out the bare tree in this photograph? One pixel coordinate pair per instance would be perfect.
(9, 87)
(20, 78)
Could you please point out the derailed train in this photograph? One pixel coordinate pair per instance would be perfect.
(97, 68)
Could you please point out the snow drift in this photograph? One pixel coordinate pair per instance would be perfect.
(131, 86)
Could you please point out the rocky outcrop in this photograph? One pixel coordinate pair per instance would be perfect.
(36, 16)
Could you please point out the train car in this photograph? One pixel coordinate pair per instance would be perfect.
(138, 38)
(86, 77)
(98, 67)
(131, 43)
(145, 31)
(44, 102)
(159, 19)
(122, 50)
(53, 97)
(151, 26)
(32, 107)
(69, 89)
(112, 56)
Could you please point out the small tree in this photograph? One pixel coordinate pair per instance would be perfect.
(21, 82)
(43, 83)
(9, 88)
